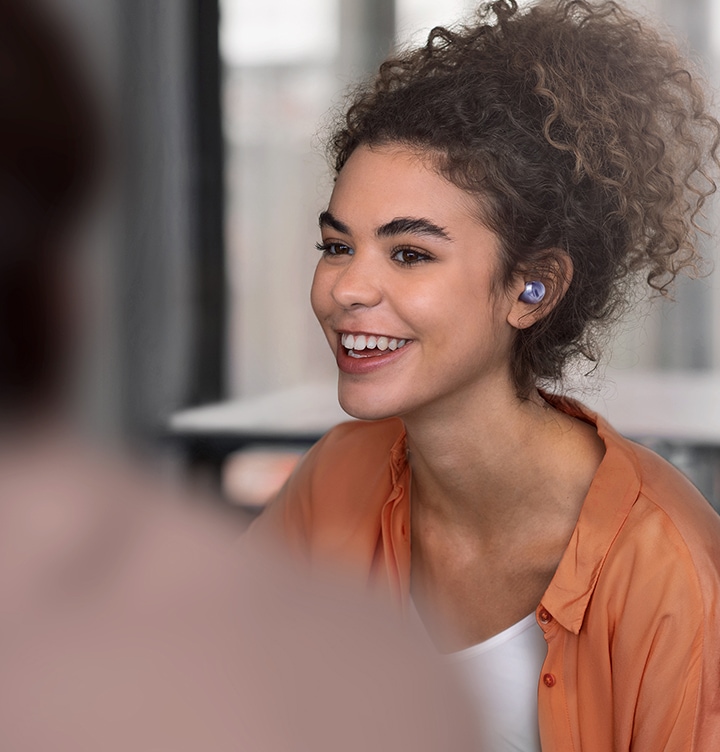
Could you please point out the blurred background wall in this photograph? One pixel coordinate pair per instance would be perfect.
(285, 64)
(154, 251)
(204, 248)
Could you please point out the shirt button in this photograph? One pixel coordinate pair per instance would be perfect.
(544, 616)
(549, 680)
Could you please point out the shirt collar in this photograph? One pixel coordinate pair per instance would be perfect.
(399, 465)
(613, 491)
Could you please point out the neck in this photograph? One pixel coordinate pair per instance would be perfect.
(500, 461)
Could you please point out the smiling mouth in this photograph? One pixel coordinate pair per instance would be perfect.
(370, 345)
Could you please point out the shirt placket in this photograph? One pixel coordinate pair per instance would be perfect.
(556, 731)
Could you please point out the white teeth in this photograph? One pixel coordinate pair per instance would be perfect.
(360, 342)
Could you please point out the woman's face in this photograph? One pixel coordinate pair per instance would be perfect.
(404, 289)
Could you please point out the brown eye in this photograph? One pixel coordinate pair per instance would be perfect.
(409, 256)
(334, 249)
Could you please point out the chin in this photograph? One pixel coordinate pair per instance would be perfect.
(363, 411)
(365, 406)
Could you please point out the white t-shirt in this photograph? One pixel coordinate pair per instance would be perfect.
(501, 675)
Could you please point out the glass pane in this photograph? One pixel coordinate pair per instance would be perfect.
(286, 63)
(279, 80)
(415, 18)
(277, 32)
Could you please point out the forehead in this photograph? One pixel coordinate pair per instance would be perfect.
(379, 183)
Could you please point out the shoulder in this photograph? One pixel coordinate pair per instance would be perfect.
(668, 489)
(371, 442)
(652, 620)
(645, 532)
(669, 503)
(638, 500)
(672, 528)
(658, 598)
(352, 455)
(663, 567)
(334, 496)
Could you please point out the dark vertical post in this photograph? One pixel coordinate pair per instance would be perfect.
(156, 266)
(207, 193)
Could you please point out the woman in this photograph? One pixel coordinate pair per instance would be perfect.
(499, 192)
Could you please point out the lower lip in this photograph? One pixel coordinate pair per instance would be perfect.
(348, 364)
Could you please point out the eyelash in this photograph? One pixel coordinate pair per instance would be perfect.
(421, 258)
(327, 249)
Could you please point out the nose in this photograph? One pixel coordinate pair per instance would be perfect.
(358, 284)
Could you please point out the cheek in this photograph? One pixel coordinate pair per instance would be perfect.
(475, 316)
(320, 293)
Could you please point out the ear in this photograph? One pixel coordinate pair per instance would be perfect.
(555, 271)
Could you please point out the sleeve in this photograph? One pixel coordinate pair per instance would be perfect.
(664, 638)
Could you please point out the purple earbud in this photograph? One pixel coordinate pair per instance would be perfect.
(533, 293)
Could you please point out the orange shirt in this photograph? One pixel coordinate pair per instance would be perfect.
(631, 616)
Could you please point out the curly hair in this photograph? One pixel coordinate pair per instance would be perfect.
(580, 129)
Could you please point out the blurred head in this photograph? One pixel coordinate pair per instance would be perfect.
(49, 151)
(583, 143)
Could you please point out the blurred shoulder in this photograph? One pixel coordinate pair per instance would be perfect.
(354, 459)
(370, 441)
(332, 500)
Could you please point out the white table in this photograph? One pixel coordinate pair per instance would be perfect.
(677, 414)
(674, 407)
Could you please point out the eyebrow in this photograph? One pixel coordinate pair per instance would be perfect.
(411, 226)
(397, 226)
(326, 219)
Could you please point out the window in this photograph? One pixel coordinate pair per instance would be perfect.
(285, 65)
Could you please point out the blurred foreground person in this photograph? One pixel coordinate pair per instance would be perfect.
(130, 618)
(49, 164)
